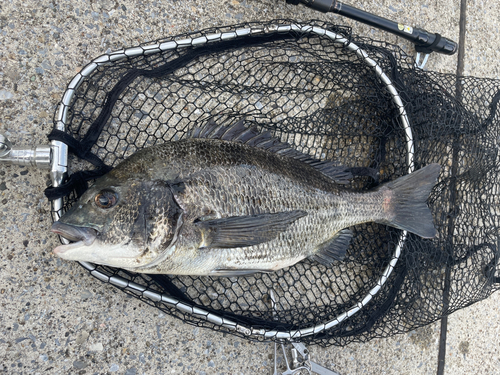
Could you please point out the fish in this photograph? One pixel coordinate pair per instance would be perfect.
(232, 201)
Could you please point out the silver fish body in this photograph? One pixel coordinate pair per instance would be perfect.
(230, 201)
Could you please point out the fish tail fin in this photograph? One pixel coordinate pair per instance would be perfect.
(405, 201)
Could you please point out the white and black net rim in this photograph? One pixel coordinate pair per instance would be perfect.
(60, 164)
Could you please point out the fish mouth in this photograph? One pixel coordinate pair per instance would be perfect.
(79, 235)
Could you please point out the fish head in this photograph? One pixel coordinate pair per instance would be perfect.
(126, 224)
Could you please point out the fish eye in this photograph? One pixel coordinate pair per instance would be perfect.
(106, 199)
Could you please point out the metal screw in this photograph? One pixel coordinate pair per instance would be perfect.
(5, 145)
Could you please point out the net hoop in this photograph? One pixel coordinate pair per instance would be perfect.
(172, 302)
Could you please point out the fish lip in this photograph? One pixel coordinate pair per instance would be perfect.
(61, 249)
(82, 235)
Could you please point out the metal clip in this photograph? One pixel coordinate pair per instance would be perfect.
(418, 64)
(298, 364)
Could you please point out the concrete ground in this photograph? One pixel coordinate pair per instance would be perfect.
(56, 319)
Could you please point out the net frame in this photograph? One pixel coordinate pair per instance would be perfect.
(329, 105)
(249, 331)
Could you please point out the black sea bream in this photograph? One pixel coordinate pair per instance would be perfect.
(230, 201)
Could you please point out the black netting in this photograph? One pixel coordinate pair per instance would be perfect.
(325, 99)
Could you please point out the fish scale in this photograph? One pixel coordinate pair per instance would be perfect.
(278, 193)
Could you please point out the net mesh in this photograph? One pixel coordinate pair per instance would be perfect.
(313, 92)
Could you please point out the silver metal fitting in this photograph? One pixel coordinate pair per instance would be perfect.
(420, 64)
(35, 156)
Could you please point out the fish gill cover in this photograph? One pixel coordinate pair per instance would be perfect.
(321, 97)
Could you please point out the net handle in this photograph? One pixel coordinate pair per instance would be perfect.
(254, 30)
(424, 41)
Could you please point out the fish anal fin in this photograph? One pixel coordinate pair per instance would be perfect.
(333, 249)
(242, 231)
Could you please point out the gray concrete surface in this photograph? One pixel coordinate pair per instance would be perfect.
(55, 319)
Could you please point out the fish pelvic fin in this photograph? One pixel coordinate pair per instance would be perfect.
(405, 201)
(226, 272)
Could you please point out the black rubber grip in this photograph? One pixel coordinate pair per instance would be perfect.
(427, 42)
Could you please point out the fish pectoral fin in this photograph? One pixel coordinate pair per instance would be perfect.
(242, 231)
(333, 249)
(236, 272)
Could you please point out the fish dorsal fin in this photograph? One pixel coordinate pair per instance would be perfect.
(251, 136)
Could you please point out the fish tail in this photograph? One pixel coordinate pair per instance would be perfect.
(404, 201)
